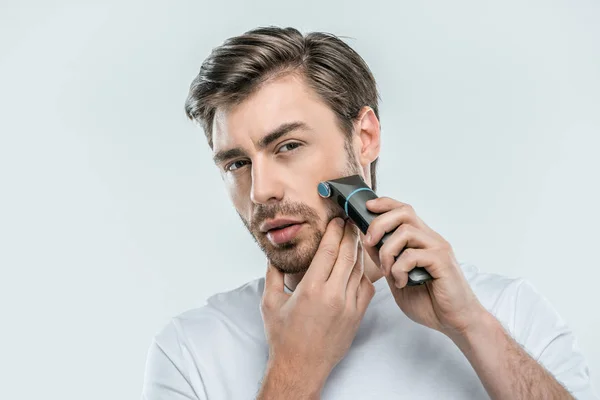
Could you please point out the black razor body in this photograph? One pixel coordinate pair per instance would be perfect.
(351, 193)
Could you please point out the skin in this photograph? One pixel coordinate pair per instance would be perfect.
(330, 266)
(264, 182)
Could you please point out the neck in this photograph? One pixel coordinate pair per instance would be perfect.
(370, 270)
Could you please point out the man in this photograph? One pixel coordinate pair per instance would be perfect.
(333, 317)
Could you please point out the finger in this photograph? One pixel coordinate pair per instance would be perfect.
(327, 252)
(366, 291)
(373, 254)
(346, 259)
(389, 221)
(409, 260)
(274, 285)
(384, 204)
(406, 236)
(273, 279)
(355, 277)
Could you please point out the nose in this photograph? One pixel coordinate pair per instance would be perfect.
(267, 185)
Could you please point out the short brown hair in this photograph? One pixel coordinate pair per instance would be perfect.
(239, 66)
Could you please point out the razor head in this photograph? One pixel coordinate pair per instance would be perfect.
(351, 193)
(343, 187)
(324, 190)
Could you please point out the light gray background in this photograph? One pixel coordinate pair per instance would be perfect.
(113, 219)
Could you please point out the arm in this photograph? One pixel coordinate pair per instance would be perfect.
(311, 330)
(506, 370)
(285, 382)
(165, 376)
(536, 356)
(542, 361)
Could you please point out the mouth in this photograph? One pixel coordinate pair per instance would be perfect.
(281, 230)
(278, 224)
(280, 227)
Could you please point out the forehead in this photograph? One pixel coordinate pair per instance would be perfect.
(278, 101)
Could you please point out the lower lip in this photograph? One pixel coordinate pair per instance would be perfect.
(279, 236)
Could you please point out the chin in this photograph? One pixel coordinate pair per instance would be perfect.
(295, 256)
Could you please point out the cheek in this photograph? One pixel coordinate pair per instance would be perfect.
(316, 166)
(325, 209)
(240, 198)
(306, 175)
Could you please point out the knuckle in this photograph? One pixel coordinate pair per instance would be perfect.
(357, 271)
(446, 252)
(305, 294)
(409, 254)
(404, 230)
(329, 251)
(387, 259)
(371, 290)
(335, 301)
(267, 304)
(313, 288)
(348, 257)
(409, 216)
(307, 291)
(383, 256)
(373, 231)
(359, 267)
(399, 278)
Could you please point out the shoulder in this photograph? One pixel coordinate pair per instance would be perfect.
(493, 290)
(174, 358)
(236, 309)
(536, 325)
(516, 303)
(496, 291)
(513, 300)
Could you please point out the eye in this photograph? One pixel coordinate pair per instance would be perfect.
(290, 146)
(235, 165)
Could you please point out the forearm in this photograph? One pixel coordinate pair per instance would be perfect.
(504, 368)
(285, 382)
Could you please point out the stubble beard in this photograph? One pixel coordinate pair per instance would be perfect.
(295, 256)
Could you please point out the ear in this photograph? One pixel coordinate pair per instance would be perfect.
(367, 138)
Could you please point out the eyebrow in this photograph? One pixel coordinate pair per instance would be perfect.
(264, 142)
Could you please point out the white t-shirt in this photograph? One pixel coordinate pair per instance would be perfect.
(219, 351)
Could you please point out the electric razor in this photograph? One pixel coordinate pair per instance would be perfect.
(351, 193)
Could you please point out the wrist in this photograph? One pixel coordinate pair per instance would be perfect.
(291, 381)
(505, 369)
(483, 329)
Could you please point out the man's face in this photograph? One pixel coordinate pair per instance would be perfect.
(272, 150)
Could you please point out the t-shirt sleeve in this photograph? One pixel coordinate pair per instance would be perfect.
(547, 338)
(166, 376)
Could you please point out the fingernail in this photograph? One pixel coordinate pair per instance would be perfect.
(368, 238)
(339, 221)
